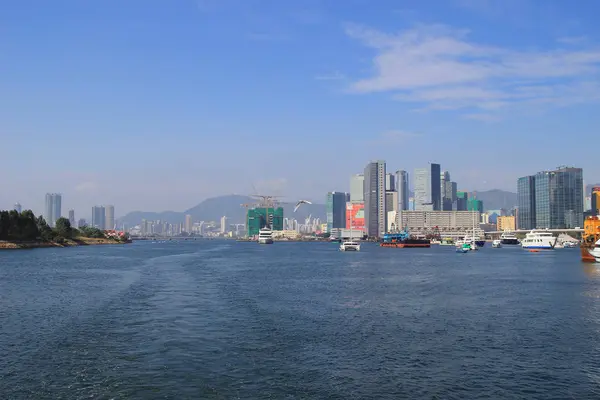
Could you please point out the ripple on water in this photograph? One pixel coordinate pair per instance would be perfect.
(207, 319)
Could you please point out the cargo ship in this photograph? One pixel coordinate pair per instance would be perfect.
(590, 246)
(403, 239)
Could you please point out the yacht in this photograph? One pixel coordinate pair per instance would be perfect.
(509, 238)
(265, 236)
(497, 244)
(350, 246)
(539, 239)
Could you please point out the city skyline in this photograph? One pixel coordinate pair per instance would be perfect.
(297, 81)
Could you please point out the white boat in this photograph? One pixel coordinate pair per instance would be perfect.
(509, 238)
(350, 246)
(265, 236)
(497, 244)
(539, 239)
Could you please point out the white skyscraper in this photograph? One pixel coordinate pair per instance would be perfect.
(357, 190)
(52, 209)
(109, 217)
(223, 224)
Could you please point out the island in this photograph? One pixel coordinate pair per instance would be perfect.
(26, 231)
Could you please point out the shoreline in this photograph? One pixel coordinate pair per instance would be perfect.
(80, 241)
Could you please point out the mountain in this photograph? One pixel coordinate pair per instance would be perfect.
(496, 199)
(214, 208)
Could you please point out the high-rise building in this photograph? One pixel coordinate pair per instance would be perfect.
(335, 208)
(56, 208)
(448, 191)
(357, 189)
(390, 182)
(559, 198)
(259, 217)
(72, 217)
(595, 200)
(374, 195)
(109, 217)
(99, 217)
(402, 189)
(462, 199)
(428, 195)
(188, 223)
(391, 201)
(81, 223)
(551, 199)
(526, 202)
(223, 224)
(18, 208)
(52, 209)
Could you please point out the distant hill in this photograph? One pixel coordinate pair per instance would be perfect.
(214, 208)
(496, 199)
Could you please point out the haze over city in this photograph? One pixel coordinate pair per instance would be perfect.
(154, 105)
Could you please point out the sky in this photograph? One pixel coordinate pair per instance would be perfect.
(158, 104)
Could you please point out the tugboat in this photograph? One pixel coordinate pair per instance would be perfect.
(403, 239)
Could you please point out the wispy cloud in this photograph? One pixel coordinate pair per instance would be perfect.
(335, 76)
(438, 67)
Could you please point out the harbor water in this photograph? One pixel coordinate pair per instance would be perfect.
(211, 319)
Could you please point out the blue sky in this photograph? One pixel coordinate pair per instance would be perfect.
(158, 104)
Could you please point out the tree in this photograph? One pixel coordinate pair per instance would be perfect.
(45, 232)
(63, 227)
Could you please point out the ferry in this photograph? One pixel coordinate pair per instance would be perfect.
(539, 239)
(403, 239)
(509, 238)
(265, 236)
(590, 243)
(350, 246)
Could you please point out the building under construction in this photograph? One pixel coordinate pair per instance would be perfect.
(259, 217)
(265, 213)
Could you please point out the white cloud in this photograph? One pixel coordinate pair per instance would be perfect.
(440, 68)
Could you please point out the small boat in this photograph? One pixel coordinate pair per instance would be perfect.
(509, 238)
(497, 244)
(464, 248)
(350, 246)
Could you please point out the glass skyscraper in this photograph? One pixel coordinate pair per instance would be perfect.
(428, 193)
(335, 208)
(526, 203)
(556, 198)
(402, 188)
